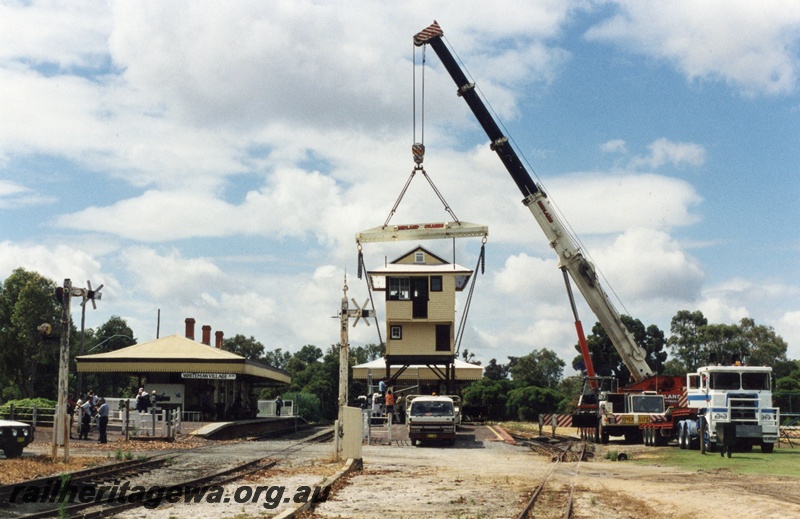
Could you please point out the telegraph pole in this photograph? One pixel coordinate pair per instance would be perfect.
(64, 296)
(63, 366)
(344, 361)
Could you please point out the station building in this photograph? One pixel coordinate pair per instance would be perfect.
(195, 376)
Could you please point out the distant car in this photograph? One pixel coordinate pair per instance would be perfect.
(14, 436)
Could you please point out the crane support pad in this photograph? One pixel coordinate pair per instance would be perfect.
(422, 231)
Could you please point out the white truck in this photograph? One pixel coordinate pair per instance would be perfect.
(735, 409)
(431, 418)
(14, 436)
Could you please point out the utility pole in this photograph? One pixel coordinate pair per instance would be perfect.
(64, 295)
(344, 361)
(59, 424)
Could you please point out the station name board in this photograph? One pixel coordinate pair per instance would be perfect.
(210, 376)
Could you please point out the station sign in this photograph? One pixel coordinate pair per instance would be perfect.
(210, 376)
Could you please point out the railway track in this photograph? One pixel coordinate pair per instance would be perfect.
(570, 451)
(111, 489)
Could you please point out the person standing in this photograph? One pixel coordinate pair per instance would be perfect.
(102, 412)
(86, 419)
(390, 404)
(278, 405)
(142, 401)
(70, 412)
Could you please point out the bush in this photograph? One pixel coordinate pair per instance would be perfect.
(526, 403)
(28, 403)
(306, 405)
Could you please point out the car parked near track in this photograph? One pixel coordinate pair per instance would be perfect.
(14, 437)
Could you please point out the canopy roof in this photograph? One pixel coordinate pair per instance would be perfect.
(176, 354)
(464, 371)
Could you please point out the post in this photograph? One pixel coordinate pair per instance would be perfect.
(344, 363)
(63, 365)
(83, 340)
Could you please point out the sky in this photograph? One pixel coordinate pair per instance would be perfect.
(215, 160)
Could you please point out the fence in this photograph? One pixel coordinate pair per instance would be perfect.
(43, 416)
(36, 416)
(266, 408)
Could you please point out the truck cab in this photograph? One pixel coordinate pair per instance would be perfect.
(735, 406)
(431, 418)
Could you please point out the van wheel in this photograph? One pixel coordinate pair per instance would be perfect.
(767, 448)
(413, 443)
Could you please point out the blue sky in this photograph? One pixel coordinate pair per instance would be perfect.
(215, 162)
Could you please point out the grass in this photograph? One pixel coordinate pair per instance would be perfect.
(782, 462)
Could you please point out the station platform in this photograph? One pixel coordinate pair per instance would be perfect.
(245, 428)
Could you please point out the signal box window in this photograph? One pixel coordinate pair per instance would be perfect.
(436, 283)
(399, 289)
(442, 337)
(396, 333)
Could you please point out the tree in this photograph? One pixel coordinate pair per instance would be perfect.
(487, 397)
(765, 347)
(368, 353)
(495, 371)
(526, 403)
(29, 360)
(248, 348)
(607, 361)
(651, 339)
(570, 388)
(722, 342)
(468, 356)
(112, 335)
(277, 358)
(541, 368)
(686, 342)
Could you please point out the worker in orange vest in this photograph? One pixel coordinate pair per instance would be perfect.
(390, 404)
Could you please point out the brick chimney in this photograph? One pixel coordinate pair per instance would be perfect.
(206, 334)
(219, 335)
(190, 328)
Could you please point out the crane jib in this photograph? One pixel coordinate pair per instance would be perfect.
(570, 256)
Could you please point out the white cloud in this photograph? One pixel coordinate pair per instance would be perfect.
(663, 151)
(751, 45)
(614, 146)
(55, 261)
(645, 264)
(788, 327)
(611, 203)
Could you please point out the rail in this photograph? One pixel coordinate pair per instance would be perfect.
(561, 453)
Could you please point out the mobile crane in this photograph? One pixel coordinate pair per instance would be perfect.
(653, 408)
(570, 257)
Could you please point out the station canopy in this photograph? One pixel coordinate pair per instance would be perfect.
(176, 354)
(414, 372)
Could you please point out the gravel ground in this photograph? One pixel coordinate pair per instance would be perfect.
(479, 477)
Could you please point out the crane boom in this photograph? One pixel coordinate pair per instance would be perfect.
(570, 257)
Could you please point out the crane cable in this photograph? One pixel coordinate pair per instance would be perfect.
(361, 270)
(418, 148)
(462, 325)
